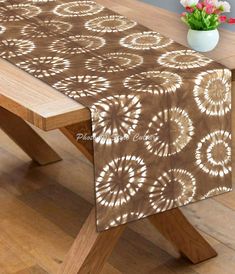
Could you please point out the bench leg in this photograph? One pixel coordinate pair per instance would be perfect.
(84, 146)
(175, 227)
(90, 249)
(26, 138)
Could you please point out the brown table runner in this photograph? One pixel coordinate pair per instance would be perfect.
(161, 113)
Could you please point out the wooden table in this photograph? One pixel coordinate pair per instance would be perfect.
(47, 109)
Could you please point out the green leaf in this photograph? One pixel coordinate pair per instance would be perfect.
(200, 20)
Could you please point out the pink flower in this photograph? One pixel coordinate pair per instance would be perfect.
(211, 2)
(200, 6)
(231, 21)
(189, 9)
(208, 2)
(183, 14)
(209, 9)
(223, 19)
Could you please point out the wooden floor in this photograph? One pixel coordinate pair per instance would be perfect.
(39, 219)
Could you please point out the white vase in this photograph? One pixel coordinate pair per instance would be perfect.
(203, 41)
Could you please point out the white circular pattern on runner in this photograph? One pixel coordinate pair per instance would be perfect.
(115, 118)
(2, 29)
(44, 66)
(175, 123)
(173, 188)
(145, 40)
(81, 86)
(15, 47)
(17, 12)
(78, 8)
(77, 44)
(183, 59)
(213, 153)
(126, 216)
(212, 92)
(111, 189)
(216, 191)
(47, 28)
(114, 62)
(110, 23)
(154, 82)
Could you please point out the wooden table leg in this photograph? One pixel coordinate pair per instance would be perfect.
(26, 138)
(85, 146)
(233, 75)
(91, 249)
(174, 226)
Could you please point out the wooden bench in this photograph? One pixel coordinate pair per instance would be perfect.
(25, 98)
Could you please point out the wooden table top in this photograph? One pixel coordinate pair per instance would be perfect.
(48, 109)
(35, 101)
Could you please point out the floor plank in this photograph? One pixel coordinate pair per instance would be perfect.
(32, 270)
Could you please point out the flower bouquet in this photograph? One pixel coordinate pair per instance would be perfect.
(204, 18)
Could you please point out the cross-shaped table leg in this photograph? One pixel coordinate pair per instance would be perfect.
(91, 249)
